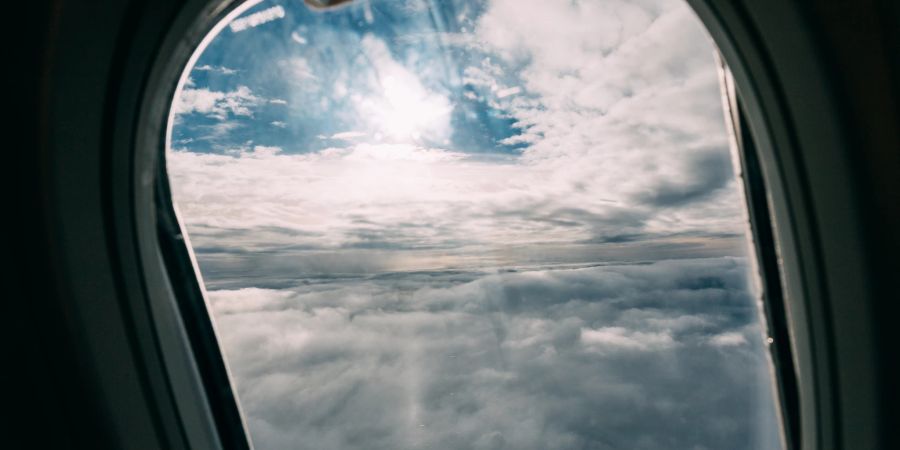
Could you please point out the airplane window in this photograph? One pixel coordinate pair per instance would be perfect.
(473, 224)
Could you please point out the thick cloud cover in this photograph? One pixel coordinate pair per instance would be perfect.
(648, 356)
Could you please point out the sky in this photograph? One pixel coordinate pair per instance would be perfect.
(473, 224)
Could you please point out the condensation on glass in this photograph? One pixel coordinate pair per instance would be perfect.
(498, 224)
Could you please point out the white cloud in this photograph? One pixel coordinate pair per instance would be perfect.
(256, 19)
(398, 105)
(622, 97)
(503, 93)
(441, 198)
(619, 338)
(730, 339)
(348, 135)
(220, 69)
(298, 70)
(216, 104)
(441, 195)
(247, 300)
(262, 151)
(298, 38)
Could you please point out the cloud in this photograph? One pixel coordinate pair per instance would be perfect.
(612, 338)
(219, 105)
(348, 135)
(729, 339)
(701, 176)
(219, 69)
(399, 106)
(296, 37)
(403, 196)
(619, 356)
(257, 18)
(262, 151)
(503, 93)
(298, 69)
(627, 94)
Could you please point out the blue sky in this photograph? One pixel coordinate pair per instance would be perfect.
(473, 224)
(311, 60)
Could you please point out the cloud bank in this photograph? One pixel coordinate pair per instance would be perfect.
(663, 355)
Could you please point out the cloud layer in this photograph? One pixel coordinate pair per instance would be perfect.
(664, 355)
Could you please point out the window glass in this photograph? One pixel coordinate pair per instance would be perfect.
(464, 224)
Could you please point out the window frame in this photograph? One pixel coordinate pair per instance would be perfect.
(799, 257)
(210, 412)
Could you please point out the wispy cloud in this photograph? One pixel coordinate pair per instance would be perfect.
(257, 18)
(218, 69)
(438, 198)
(220, 105)
(399, 106)
(348, 135)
